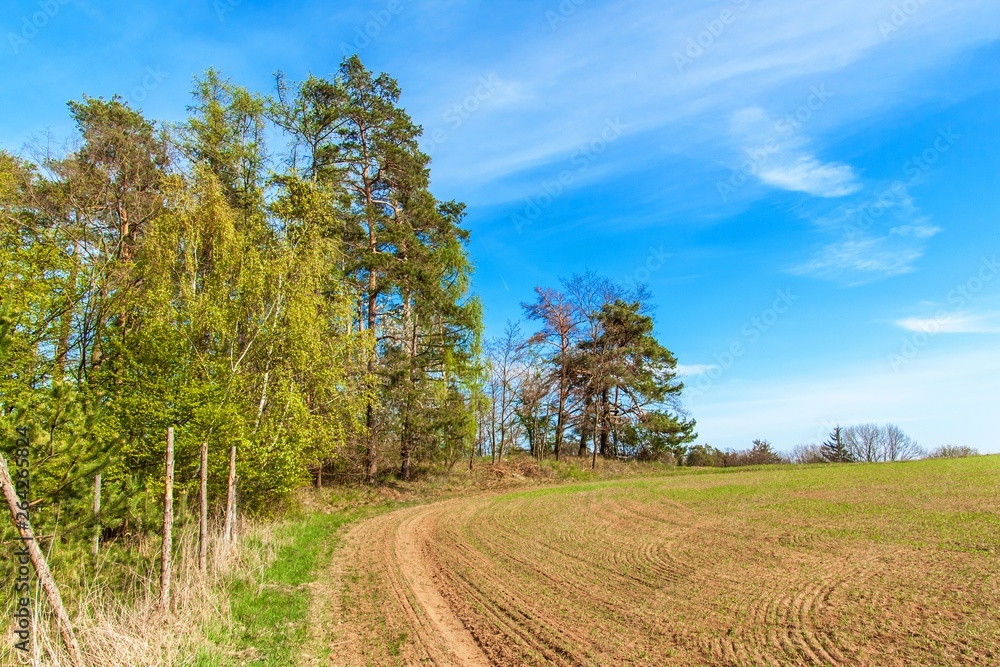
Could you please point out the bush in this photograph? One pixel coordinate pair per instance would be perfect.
(704, 456)
(807, 454)
(953, 452)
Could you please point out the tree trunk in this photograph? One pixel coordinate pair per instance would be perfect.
(19, 514)
(97, 514)
(404, 451)
(203, 511)
(371, 455)
(559, 421)
(231, 496)
(583, 426)
(168, 524)
(604, 422)
(406, 440)
(593, 463)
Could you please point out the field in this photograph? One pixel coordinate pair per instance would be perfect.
(885, 564)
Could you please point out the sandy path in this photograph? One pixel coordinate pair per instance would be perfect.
(448, 638)
(392, 551)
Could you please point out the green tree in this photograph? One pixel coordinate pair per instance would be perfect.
(636, 380)
(835, 449)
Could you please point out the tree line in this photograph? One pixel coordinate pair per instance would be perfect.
(272, 273)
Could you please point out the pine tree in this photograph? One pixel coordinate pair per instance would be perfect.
(835, 449)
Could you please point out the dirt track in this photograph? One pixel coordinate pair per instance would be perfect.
(404, 618)
(623, 574)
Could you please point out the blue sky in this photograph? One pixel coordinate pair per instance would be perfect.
(810, 189)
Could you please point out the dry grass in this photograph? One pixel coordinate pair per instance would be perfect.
(121, 623)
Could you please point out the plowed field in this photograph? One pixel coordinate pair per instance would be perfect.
(893, 564)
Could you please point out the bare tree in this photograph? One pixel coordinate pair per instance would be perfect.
(810, 453)
(866, 442)
(533, 403)
(559, 327)
(507, 363)
(874, 442)
(898, 445)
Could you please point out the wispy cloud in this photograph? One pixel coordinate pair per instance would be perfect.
(804, 173)
(779, 154)
(859, 262)
(960, 322)
(693, 370)
(618, 59)
(878, 234)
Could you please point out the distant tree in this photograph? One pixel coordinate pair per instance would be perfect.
(532, 405)
(810, 453)
(873, 442)
(762, 453)
(506, 358)
(865, 442)
(703, 456)
(559, 321)
(638, 384)
(836, 450)
(588, 294)
(953, 452)
(898, 445)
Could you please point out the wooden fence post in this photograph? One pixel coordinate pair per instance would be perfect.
(231, 495)
(97, 514)
(168, 524)
(19, 513)
(203, 511)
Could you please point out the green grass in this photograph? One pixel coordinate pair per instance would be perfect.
(269, 609)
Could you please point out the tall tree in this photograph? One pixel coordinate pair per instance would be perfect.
(506, 358)
(559, 327)
(637, 379)
(588, 293)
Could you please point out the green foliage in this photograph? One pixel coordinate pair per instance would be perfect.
(704, 456)
(760, 453)
(301, 310)
(835, 449)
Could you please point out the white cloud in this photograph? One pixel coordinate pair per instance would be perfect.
(918, 231)
(807, 174)
(879, 234)
(779, 154)
(959, 322)
(686, 370)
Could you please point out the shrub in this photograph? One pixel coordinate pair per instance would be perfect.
(953, 452)
(704, 456)
(807, 454)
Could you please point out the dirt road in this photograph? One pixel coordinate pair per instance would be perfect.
(405, 608)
